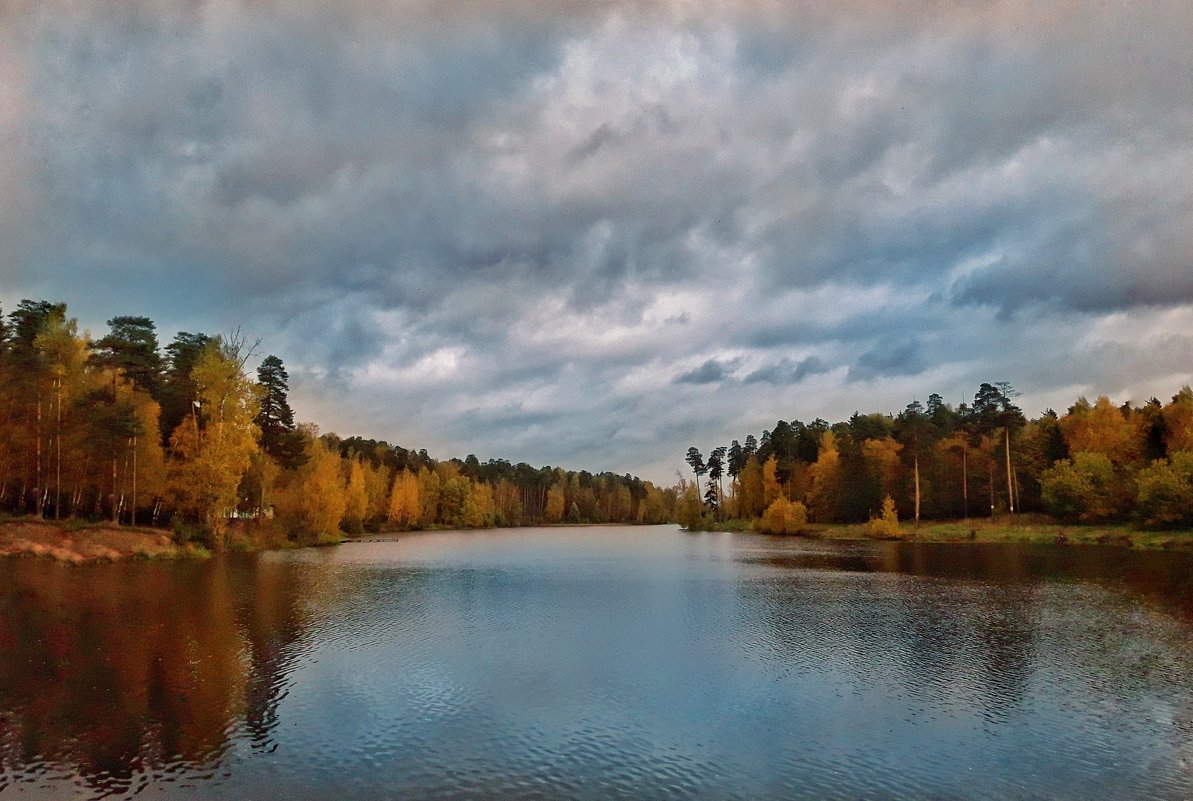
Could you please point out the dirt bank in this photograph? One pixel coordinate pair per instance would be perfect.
(78, 544)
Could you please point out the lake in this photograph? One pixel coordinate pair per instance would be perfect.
(602, 663)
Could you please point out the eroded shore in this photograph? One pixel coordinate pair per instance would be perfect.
(76, 544)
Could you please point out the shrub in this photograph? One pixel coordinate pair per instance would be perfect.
(886, 525)
(1085, 488)
(1166, 491)
(784, 517)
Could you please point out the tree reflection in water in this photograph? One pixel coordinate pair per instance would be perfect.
(121, 673)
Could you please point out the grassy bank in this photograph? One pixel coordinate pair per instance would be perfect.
(985, 530)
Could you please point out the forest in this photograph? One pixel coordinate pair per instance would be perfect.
(1097, 462)
(121, 429)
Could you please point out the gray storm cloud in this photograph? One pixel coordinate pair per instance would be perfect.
(593, 234)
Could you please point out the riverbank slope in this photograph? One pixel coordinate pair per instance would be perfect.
(76, 544)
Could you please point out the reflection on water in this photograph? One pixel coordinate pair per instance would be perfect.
(603, 663)
(114, 676)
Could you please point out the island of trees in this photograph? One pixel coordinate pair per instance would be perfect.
(1097, 462)
(119, 429)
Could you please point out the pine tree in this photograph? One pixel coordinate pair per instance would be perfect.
(276, 418)
(130, 347)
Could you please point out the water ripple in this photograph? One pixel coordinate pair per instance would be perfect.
(604, 664)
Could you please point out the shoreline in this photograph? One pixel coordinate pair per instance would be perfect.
(985, 531)
(75, 543)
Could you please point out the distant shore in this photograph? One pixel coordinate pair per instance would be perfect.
(985, 530)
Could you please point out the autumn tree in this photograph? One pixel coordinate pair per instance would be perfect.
(555, 504)
(771, 488)
(213, 447)
(1102, 428)
(753, 488)
(321, 499)
(29, 388)
(1178, 422)
(477, 509)
(356, 498)
(377, 492)
(452, 499)
(61, 358)
(404, 509)
(823, 497)
(428, 496)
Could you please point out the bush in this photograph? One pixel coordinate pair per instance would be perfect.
(886, 525)
(784, 517)
(1085, 488)
(187, 533)
(1166, 491)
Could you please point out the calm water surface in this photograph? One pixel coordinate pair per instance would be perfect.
(599, 663)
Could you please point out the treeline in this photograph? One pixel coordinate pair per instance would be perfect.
(119, 428)
(1097, 462)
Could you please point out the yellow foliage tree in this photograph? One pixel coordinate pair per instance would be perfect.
(658, 506)
(213, 448)
(477, 511)
(356, 499)
(54, 386)
(146, 478)
(1102, 428)
(428, 496)
(404, 509)
(555, 499)
(377, 490)
(752, 489)
(822, 498)
(322, 499)
(771, 489)
(453, 497)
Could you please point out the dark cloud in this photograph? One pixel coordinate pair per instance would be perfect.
(787, 371)
(888, 359)
(497, 228)
(710, 372)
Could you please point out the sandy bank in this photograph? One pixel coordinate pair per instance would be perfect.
(83, 544)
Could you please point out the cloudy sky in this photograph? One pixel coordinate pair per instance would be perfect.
(593, 234)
